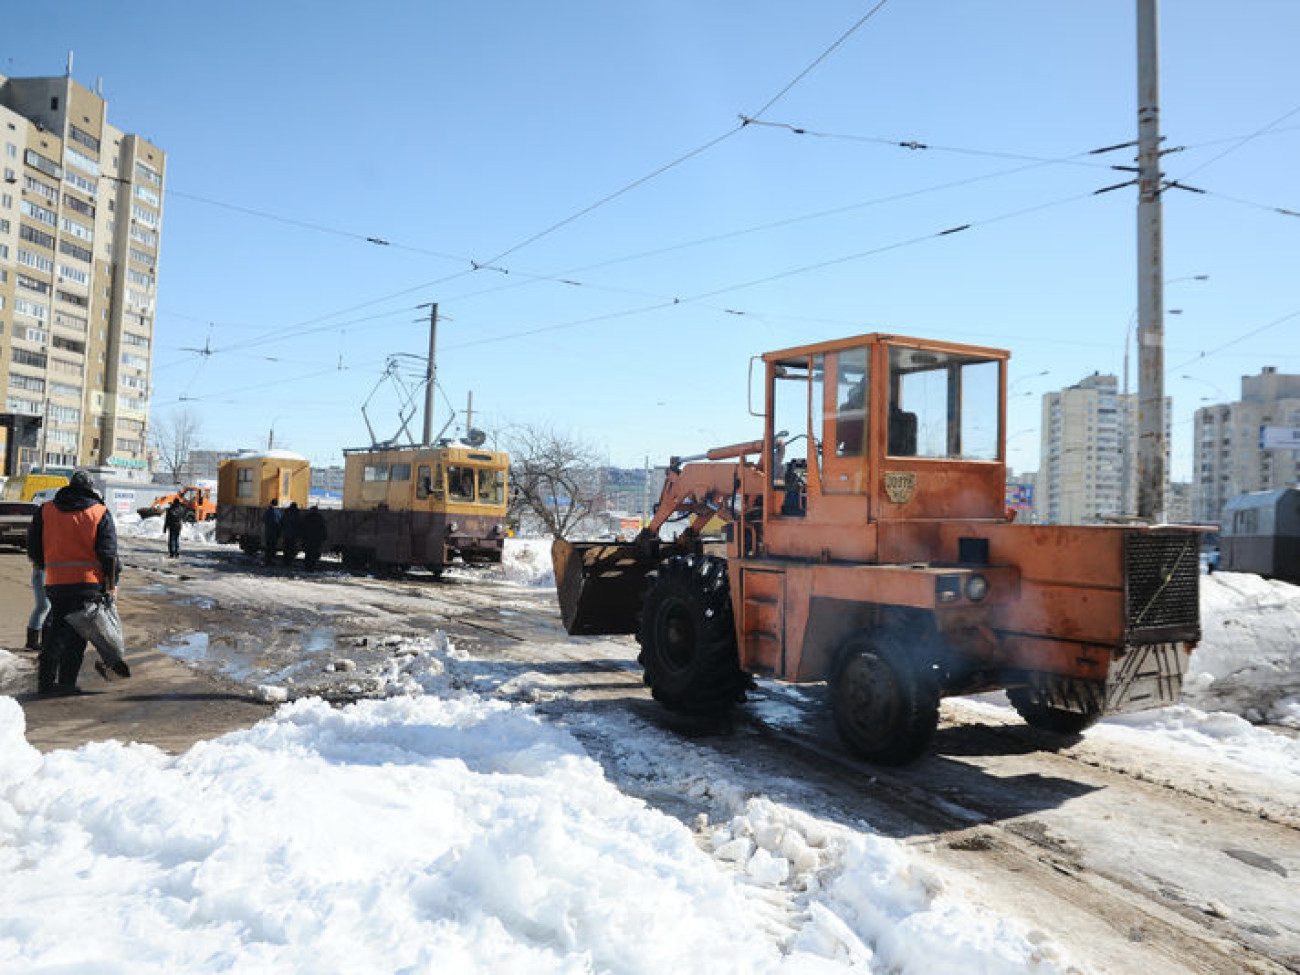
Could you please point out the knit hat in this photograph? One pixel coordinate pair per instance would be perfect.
(81, 481)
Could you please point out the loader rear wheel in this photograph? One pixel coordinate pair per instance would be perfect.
(1044, 717)
(884, 700)
(688, 637)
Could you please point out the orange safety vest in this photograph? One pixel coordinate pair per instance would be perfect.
(68, 538)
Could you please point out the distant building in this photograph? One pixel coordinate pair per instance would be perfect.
(327, 480)
(81, 206)
(1083, 477)
(1181, 510)
(205, 464)
(1229, 459)
(633, 490)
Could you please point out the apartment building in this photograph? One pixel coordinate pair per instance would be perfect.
(1084, 476)
(1230, 458)
(81, 207)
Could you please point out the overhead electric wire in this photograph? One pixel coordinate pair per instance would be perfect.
(1240, 142)
(699, 150)
(700, 298)
(309, 225)
(1240, 338)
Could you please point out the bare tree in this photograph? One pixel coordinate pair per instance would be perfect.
(172, 438)
(555, 476)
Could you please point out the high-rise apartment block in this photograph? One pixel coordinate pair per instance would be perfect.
(1084, 475)
(80, 224)
(1230, 458)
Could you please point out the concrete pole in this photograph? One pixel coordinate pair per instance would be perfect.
(1152, 448)
(431, 375)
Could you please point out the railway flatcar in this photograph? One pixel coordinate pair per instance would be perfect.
(1261, 534)
(403, 507)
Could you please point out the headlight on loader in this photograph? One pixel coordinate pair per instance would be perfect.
(977, 587)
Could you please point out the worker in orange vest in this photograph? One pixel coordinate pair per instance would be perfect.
(73, 537)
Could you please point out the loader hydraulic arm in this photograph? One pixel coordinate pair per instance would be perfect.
(704, 491)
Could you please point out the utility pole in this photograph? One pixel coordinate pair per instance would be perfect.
(430, 375)
(1152, 446)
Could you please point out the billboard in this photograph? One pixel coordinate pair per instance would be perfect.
(1020, 496)
(1279, 438)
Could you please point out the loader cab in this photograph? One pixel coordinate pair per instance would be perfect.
(880, 428)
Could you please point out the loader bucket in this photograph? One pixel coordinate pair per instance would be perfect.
(600, 586)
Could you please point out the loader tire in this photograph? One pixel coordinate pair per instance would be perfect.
(885, 701)
(1044, 717)
(688, 637)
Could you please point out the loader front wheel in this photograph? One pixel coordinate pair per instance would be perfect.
(1044, 717)
(688, 637)
(884, 701)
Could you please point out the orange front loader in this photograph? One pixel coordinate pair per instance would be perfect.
(868, 544)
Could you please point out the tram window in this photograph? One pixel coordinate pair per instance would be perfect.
(375, 472)
(438, 482)
(399, 472)
(423, 483)
(244, 482)
(460, 483)
(491, 486)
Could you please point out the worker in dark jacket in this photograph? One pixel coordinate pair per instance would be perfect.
(313, 537)
(291, 532)
(173, 521)
(271, 530)
(74, 539)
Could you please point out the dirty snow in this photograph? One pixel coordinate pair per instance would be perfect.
(440, 828)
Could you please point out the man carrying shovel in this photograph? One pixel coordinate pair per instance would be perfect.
(73, 537)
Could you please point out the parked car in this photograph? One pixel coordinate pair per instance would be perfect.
(15, 517)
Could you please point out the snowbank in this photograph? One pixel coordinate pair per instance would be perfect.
(1248, 661)
(425, 833)
(131, 525)
(527, 562)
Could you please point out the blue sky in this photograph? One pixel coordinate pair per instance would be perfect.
(478, 134)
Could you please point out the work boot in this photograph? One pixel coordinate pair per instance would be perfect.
(33, 639)
(47, 670)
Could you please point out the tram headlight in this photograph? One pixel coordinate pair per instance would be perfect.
(452, 528)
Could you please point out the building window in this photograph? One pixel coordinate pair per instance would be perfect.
(38, 237)
(75, 274)
(42, 189)
(31, 383)
(32, 284)
(24, 357)
(148, 174)
(77, 230)
(40, 213)
(47, 166)
(85, 138)
(87, 186)
(81, 160)
(29, 307)
(75, 250)
(79, 205)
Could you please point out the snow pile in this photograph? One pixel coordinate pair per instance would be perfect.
(13, 668)
(420, 833)
(131, 525)
(1248, 661)
(1211, 736)
(527, 562)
